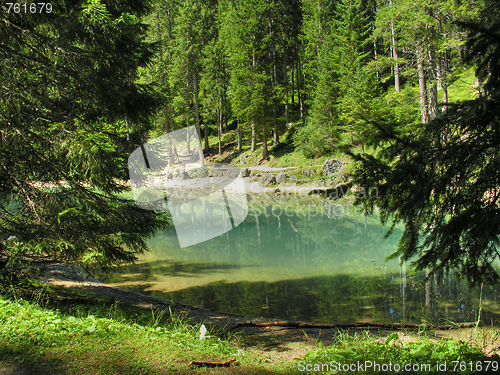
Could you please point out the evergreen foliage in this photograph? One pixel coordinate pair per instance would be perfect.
(67, 90)
(442, 181)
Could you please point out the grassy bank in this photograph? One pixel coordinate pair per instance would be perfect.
(47, 330)
(62, 332)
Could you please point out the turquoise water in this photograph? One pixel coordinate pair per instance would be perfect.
(303, 259)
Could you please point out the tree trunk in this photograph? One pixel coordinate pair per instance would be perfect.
(197, 115)
(428, 291)
(273, 50)
(264, 138)
(223, 109)
(205, 131)
(127, 129)
(424, 111)
(240, 138)
(395, 56)
(285, 84)
(293, 85)
(301, 104)
(433, 100)
(219, 127)
(254, 136)
(160, 50)
(441, 75)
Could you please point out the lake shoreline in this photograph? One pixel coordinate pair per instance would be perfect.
(254, 181)
(62, 275)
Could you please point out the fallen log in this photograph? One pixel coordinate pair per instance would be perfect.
(392, 326)
(211, 364)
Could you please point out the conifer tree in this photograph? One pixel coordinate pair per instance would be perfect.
(245, 28)
(442, 182)
(67, 89)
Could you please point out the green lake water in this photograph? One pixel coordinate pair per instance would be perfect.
(303, 259)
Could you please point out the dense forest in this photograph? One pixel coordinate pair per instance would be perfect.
(84, 83)
(329, 67)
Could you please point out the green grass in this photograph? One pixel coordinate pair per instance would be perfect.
(462, 88)
(348, 352)
(48, 340)
(60, 331)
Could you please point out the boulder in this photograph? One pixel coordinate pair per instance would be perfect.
(334, 167)
(302, 181)
(308, 172)
(280, 177)
(293, 178)
(268, 179)
(321, 181)
(245, 172)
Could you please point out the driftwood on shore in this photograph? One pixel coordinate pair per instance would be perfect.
(352, 325)
(211, 364)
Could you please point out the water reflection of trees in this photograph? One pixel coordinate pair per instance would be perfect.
(351, 281)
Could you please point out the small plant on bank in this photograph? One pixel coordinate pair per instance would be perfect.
(363, 353)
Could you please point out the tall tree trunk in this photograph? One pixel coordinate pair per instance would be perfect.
(197, 115)
(273, 50)
(264, 138)
(433, 100)
(240, 135)
(395, 56)
(254, 136)
(293, 85)
(424, 110)
(428, 290)
(301, 104)
(160, 51)
(285, 84)
(205, 127)
(205, 134)
(127, 129)
(225, 111)
(219, 125)
(441, 76)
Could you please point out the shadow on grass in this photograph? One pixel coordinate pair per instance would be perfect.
(19, 363)
(109, 362)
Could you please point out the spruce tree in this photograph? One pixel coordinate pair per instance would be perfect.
(441, 182)
(245, 28)
(67, 90)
